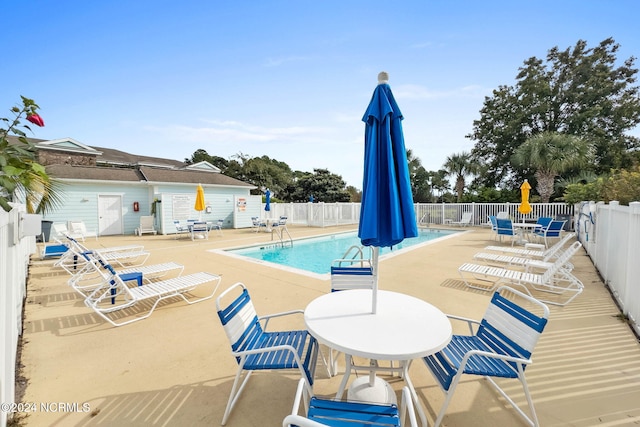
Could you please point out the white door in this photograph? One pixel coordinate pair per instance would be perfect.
(110, 215)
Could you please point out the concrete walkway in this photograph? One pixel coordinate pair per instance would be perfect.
(175, 368)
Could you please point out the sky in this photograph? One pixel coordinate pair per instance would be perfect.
(289, 79)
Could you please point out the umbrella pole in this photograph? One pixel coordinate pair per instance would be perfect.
(374, 261)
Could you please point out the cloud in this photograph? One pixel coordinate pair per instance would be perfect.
(219, 131)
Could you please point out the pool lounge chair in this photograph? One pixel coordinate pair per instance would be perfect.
(554, 280)
(96, 270)
(75, 258)
(465, 221)
(120, 304)
(79, 229)
(499, 346)
(330, 412)
(533, 250)
(530, 263)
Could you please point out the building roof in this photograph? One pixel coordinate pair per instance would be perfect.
(116, 165)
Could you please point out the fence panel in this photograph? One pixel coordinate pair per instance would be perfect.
(611, 236)
(14, 264)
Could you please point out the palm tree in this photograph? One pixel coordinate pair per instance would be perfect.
(460, 165)
(550, 154)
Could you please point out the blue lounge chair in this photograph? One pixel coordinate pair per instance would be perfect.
(501, 347)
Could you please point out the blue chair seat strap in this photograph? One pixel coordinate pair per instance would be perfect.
(351, 414)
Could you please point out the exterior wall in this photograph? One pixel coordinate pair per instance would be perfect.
(81, 203)
(52, 157)
(177, 203)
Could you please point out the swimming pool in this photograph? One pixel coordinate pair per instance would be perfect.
(315, 254)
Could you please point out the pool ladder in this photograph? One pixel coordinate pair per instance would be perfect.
(280, 230)
(354, 255)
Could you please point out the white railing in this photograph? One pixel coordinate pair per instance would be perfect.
(14, 264)
(611, 236)
(330, 214)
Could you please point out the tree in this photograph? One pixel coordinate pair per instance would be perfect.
(550, 154)
(460, 166)
(419, 178)
(20, 173)
(201, 155)
(323, 185)
(579, 91)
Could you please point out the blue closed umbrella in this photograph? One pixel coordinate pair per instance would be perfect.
(267, 199)
(387, 215)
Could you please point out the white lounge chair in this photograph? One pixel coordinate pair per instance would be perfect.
(533, 250)
(146, 226)
(115, 302)
(465, 221)
(79, 229)
(61, 232)
(77, 256)
(555, 279)
(528, 262)
(94, 272)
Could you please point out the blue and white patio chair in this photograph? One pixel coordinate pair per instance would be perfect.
(180, 228)
(494, 226)
(553, 231)
(199, 229)
(347, 274)
(338, 413)
(499, 346)
(218, 226)
(257, 224)
(255, 349)
(504, 227)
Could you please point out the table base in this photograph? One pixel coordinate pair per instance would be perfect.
(381, 392)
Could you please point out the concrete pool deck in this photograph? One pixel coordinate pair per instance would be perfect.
(175, 368)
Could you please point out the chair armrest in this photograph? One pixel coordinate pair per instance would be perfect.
(470, 322)
(504, 357)
(283, 347)
(267, 317)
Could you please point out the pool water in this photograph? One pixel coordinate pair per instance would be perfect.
(316, 254)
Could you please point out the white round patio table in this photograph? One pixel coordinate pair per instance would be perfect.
(402, 329)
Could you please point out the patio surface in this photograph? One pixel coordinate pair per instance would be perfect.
(175, 368)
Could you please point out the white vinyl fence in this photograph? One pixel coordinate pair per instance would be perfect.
(611, 236)
(14, 263)
(331, 214)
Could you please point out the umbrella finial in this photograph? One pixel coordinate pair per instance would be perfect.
(383, 77)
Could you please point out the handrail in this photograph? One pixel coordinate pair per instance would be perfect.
(280, 230)
(354, 258)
